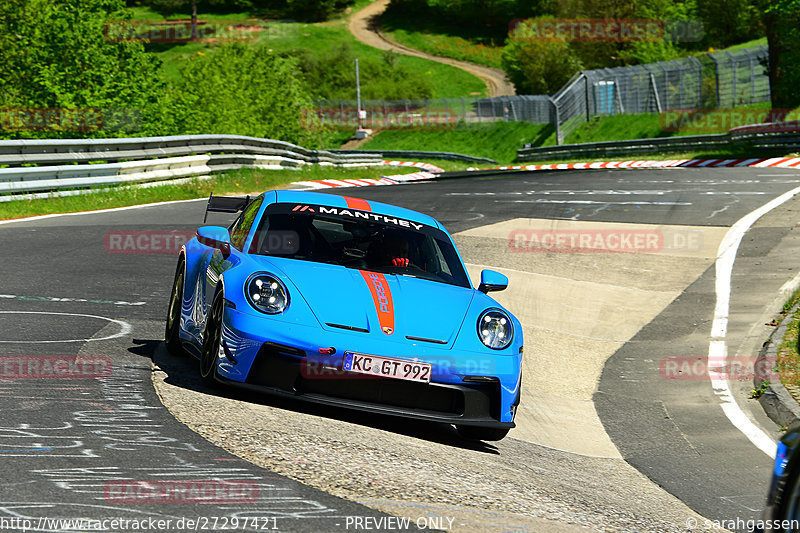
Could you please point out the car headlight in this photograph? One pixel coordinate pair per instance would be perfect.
(267, 294)
(495, 330)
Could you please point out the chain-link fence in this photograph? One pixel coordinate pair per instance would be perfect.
(386, 114)
(714, 80)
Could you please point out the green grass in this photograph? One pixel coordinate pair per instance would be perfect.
(336, 138)
(658, 156)
(441, 37)
(283, 37)
(788, 361)
(450, 46)
(618, 128)
(748, 44)
(650, 125)
(244, 181)
(501, 140)
(147, 13)
(497, 140)
(358, 5)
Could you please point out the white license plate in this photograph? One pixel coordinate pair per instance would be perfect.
(387, 367)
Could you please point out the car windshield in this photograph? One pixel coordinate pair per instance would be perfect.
(359, 240)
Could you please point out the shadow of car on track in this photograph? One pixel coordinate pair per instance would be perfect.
(183, 372)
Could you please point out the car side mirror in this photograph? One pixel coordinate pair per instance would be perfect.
(215, 237)
(492, 281)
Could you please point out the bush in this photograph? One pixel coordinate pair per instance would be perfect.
(538, 66)
(242, 90)
(728, 22)
(172, 7)
(55, 55)
(484, 21)
(315, 10)
(304, 10)
(331, 75)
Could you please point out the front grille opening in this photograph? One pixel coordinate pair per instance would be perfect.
(389, 392)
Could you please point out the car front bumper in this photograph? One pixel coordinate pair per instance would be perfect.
(285, 359)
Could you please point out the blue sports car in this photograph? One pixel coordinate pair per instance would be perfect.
(782, 512)
(350, 303)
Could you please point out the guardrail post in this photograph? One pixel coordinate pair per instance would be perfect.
(655, 92)
(638, 93)
(766, 65)
(733, 67)
(699, 80)
(556, 120)
(716, 76)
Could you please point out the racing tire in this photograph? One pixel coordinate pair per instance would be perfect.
(212, 338)
(481, 433)
(172, 330)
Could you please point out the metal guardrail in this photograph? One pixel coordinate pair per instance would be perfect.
(50, 151)
(80, 163)
(417, 154)
(767, 138)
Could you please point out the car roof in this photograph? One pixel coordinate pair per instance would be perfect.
(346, 202)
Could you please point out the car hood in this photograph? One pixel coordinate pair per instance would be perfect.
(358, 300)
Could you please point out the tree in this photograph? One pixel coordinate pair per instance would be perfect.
(331, 74)
(56, 55)
(729, 22)
(243, 90)
(782, 21)
(535, 65)
(169, 7)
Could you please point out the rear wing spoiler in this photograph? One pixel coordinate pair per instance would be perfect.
(225, 204)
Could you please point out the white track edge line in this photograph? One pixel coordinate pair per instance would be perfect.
(717, 347)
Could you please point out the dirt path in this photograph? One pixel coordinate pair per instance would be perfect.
(364, 25)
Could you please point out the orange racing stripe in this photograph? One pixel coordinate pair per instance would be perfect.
(357, 203)
(382, 297)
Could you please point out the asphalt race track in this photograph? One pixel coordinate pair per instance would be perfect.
(69, 444)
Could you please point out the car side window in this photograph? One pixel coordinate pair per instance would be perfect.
(241, 228)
